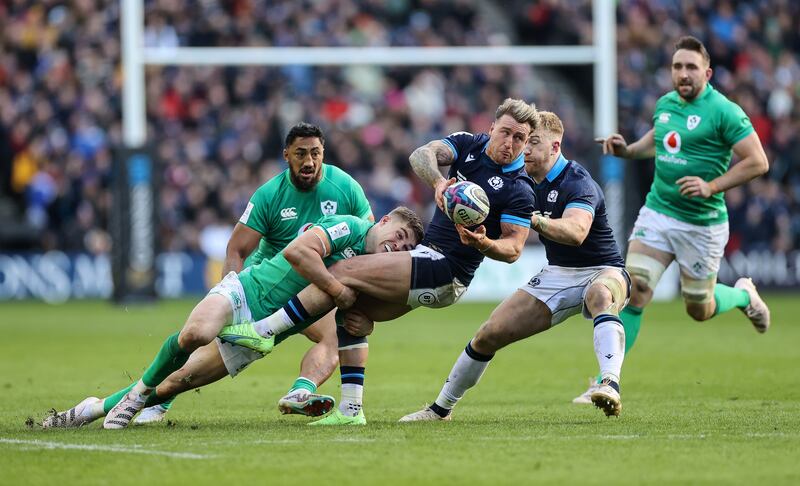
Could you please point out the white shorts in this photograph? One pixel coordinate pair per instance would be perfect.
(563, 289)
(697, 249)
(236, 358)
(432, 281)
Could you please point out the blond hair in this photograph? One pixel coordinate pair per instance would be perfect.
(413, 221)
(519, 110)
(551, 123)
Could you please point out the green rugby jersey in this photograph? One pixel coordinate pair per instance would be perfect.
(280, 212)
(269, 285)
(694, 138)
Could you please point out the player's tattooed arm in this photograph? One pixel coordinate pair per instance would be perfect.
(426, 160)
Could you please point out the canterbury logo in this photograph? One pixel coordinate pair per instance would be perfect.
(288, 213)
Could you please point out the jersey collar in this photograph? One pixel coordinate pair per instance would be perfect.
(705, 94)
(557, 168)
(514, 166)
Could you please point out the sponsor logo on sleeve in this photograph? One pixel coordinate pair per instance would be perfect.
(246, 213)
(338, 231)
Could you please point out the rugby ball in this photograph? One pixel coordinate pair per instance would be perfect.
(466, 203)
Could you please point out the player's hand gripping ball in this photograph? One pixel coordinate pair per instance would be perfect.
(466, 203)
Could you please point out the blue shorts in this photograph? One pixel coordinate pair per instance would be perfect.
(432, 281)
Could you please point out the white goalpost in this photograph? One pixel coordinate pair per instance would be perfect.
(601, 55)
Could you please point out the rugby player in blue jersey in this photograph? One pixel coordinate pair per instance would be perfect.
(585, 273)
(438, 271)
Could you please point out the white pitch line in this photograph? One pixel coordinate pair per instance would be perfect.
(40, 444)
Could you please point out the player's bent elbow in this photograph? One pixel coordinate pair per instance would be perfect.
(293, 255)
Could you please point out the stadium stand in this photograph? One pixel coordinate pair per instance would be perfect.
(218, 131)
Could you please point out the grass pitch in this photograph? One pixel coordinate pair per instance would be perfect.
(702, 403)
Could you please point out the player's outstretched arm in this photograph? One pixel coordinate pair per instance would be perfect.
(507, 248)
(570, 229)
(242, 243)
(644, 148)
(426, 160)
(305, 254)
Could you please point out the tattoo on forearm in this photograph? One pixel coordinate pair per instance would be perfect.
(424, 163)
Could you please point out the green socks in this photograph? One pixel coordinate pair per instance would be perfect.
(727, 298)
(631, 321)
(305, 384)
(152, 399)
(169, 359)
(112, 400)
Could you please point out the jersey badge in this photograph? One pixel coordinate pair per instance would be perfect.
(692, 121)
(288, 213)
(328, 207)
(672, 142)
(664, 117)
(552, 196)
(496, 183)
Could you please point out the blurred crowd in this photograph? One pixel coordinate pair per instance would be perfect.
(218, 131)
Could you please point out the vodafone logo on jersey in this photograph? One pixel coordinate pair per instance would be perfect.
(672, 142)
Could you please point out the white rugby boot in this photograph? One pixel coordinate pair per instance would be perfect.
(123, 412)
(151, 415)
(757, 311)
(424, 415)
(303, 402)
(607, 399)
(585, 398)
(89, 410)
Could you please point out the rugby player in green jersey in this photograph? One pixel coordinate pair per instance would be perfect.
(250, 296)
(276, 213)
(695, 130)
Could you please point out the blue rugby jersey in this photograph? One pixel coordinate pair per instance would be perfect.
(569, 185)
(510, 193)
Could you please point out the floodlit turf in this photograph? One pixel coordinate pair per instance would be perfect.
(712, 402)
